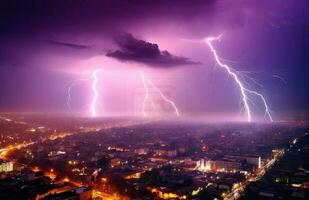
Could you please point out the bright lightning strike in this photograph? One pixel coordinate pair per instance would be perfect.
(94, 81)
(243, 89)
(147, 81)
(267, 110)
(95, 93)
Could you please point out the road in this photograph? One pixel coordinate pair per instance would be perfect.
(237, 191)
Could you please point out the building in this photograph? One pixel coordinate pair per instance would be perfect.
(6, 166)
(205, 165)
(222, 165)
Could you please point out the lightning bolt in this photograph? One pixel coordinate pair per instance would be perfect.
(146, 81)
(146, 97)
(71, 85)
(280, 78)
(172, 103)
(94, 82)
(243, 90)
(93, 105)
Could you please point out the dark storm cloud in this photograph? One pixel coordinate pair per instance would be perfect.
(132, 49)
(35, 22)
(70, 45)
(30, 20)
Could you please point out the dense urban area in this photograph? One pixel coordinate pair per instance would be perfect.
(60, 157)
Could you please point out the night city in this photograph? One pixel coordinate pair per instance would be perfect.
(154, 100)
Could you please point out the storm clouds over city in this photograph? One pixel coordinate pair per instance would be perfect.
(47, 45)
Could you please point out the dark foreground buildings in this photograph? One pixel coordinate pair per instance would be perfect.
(132, 159)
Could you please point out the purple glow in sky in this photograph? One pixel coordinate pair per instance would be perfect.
(47, 45)
(147, 83)
(243, 90)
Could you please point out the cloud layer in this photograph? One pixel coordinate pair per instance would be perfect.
(69, 45)
(132, 49)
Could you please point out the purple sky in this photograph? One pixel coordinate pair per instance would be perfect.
(45, 45)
